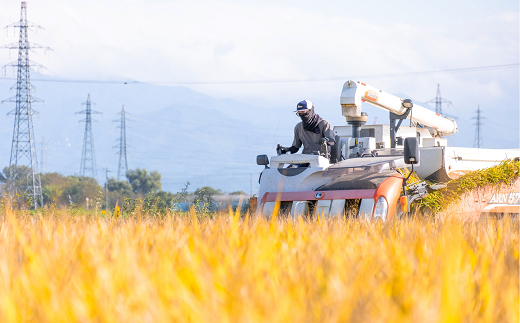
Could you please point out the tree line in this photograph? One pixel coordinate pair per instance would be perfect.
(74, 190)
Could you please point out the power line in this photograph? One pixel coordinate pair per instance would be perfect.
(338, 78)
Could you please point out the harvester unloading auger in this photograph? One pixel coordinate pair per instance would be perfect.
(365, 168)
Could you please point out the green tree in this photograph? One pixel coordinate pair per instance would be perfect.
(122, 187)
(21, 179)
(22, 172)
(208, 190)
(140, 184)
(167, 199)
(143, 182)
(66, 189)
(4, 175)
(79, 188)
(53, 185)
(204, 199)
(118, 191)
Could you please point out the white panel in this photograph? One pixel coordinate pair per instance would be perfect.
(314, 160)
(337, 207)
(366, 208)
(431, 159)
(323, 208)
(371, 143)
(434, 142)
(299, 208)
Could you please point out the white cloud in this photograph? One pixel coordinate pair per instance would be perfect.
(143, 41)
(214, 41)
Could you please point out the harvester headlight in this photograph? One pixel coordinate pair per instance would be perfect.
(381, 208)
(407, 103)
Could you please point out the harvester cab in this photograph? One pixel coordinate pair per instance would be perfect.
(368, 172)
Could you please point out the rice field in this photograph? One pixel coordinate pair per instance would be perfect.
(61, 266)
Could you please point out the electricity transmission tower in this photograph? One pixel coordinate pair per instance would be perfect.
(477, 142)
(439, 101)
(24, 176)
(123, 162)
(88, 155)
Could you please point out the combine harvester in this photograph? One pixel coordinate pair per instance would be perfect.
(366, 169)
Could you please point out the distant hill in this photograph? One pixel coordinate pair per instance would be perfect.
(185, 135)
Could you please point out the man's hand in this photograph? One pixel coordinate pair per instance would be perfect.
(281, 150)
(324, 151)
(326, 140)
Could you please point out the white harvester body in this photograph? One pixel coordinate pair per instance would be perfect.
(366, 161)
(354, 93)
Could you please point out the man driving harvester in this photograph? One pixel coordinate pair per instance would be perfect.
(313, 132)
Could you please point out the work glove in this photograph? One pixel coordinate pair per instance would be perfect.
(279, 149)
(322, 141)
(282, 150)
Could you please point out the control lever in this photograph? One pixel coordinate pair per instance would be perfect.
(279, 149)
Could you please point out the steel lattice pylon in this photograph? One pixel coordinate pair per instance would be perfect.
(439, 101)
(24, 180)
(477, 142)
(88, 155)
(123, 162)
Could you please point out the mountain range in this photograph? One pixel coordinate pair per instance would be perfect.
(185, 135)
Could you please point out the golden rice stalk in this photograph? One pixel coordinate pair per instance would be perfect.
(55, 267)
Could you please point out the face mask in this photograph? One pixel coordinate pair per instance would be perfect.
(310, 120)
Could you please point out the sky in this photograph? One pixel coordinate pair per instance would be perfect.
(185, 42)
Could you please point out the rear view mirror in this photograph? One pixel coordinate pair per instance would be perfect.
(411, 151)
(262, 160)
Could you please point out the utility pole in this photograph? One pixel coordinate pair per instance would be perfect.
(123, 162)
(23, 147)
(106, 189)
(477, 142)
(88, 155)
(439, 101)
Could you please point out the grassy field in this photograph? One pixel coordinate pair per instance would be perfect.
(58, 267)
